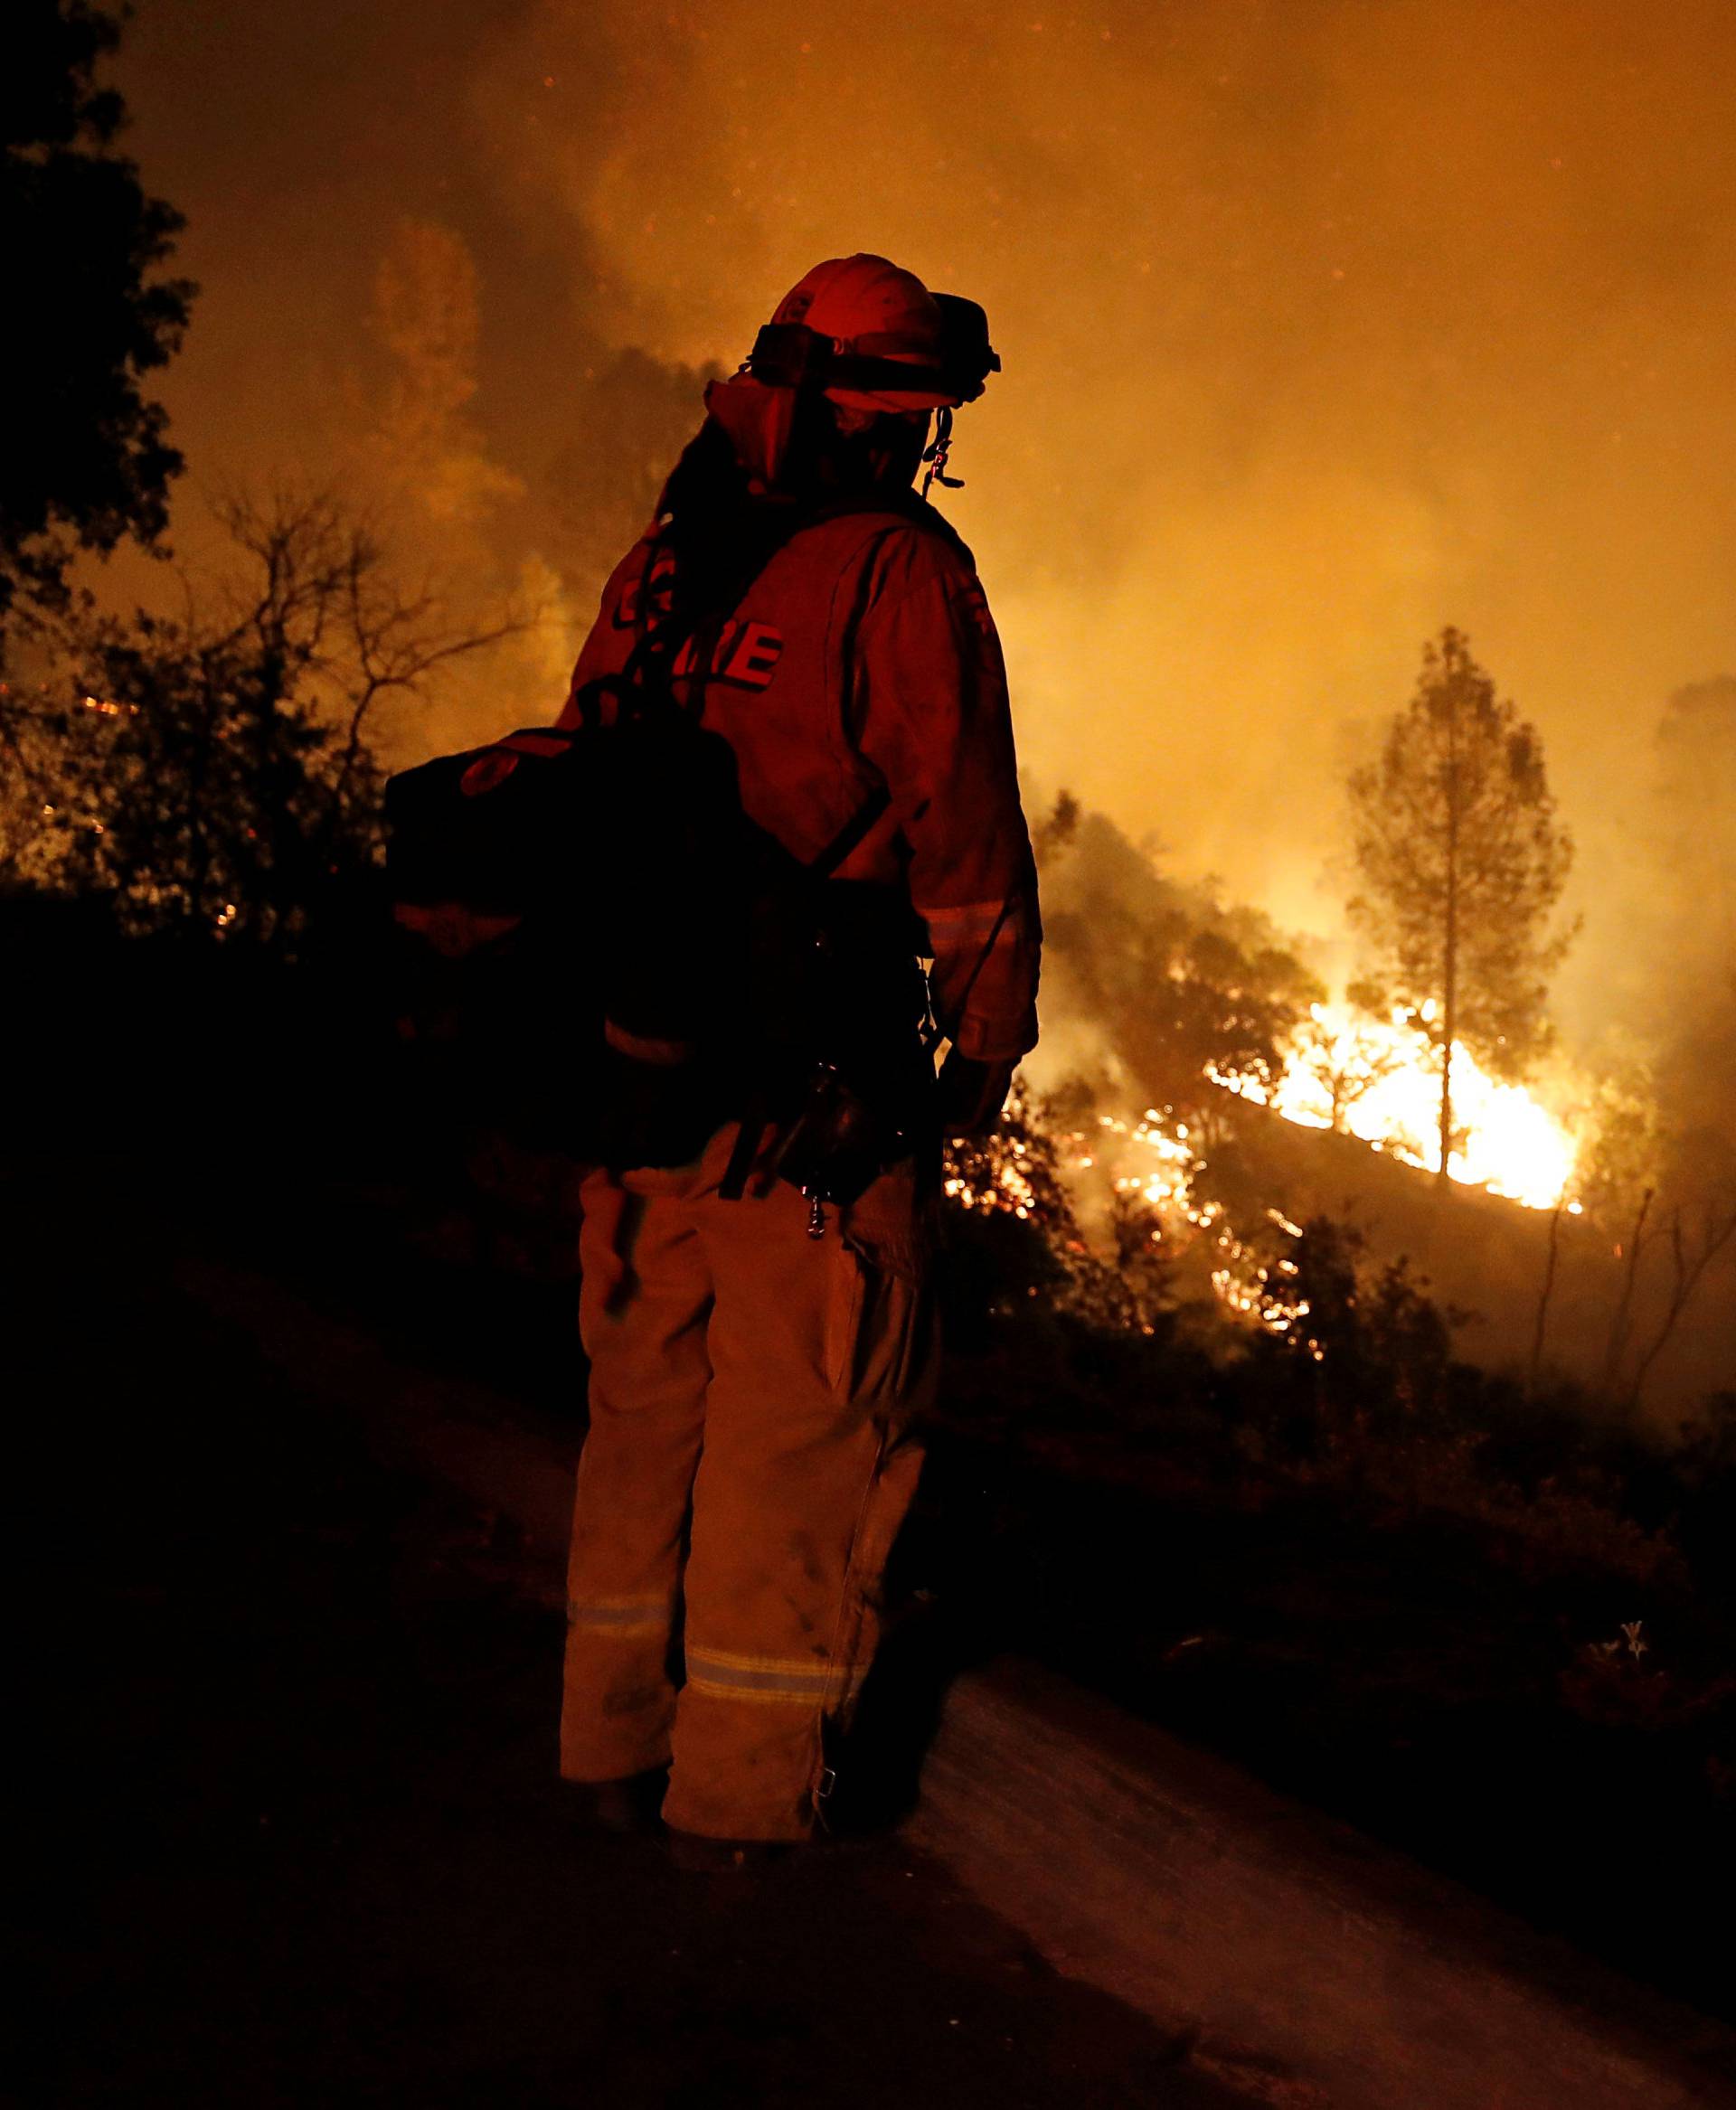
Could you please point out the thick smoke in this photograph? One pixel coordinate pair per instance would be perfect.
(1322, 326)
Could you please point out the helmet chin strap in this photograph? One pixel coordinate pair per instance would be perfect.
(936, 455)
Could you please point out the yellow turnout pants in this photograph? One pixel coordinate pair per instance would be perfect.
(750, 1460)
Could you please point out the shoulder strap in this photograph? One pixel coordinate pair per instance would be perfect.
(851, 834)
(660, 645)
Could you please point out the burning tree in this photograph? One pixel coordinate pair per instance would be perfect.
(1462, 861)
(1347, 1059)
(1187, 993)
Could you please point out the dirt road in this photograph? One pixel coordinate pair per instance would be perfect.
(309, 1849)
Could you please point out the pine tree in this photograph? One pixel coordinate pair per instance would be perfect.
(1461, 862)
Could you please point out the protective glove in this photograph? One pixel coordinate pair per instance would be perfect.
(971, 1094)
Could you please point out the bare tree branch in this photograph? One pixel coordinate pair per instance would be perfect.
(1618, 1324)
(236, 788)
(1546, 1292)
(1715, 1234)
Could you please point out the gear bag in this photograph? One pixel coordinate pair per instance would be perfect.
(611, 960)
(606, 957)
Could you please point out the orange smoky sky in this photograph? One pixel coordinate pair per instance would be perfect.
(1324, 324)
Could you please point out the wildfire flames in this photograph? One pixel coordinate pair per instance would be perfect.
(1376, 1079)
(1254, 1286)
(1381, 1082)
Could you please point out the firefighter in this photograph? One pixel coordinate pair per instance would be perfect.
(753, 1387)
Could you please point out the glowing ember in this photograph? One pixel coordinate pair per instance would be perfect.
(1170, 1187)
(1250, 1285)
(1382, 1082)
(1009, 1190)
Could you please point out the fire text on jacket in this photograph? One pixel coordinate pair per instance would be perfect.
(746, 654)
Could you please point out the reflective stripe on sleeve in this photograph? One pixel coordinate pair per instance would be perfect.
(623, 1616)
(958, 926)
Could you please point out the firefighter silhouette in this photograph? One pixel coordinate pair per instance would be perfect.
(754, 1389)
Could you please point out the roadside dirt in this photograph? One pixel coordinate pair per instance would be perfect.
(308, 1847)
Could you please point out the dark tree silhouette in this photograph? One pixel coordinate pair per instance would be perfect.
(1185, 990)
(1461, 862)
(213, 774)
(83, 460)
(1013, 1234)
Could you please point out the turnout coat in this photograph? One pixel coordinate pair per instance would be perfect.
(864, 654)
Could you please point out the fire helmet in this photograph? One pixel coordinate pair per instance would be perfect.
(868, 338)
(872, 337)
